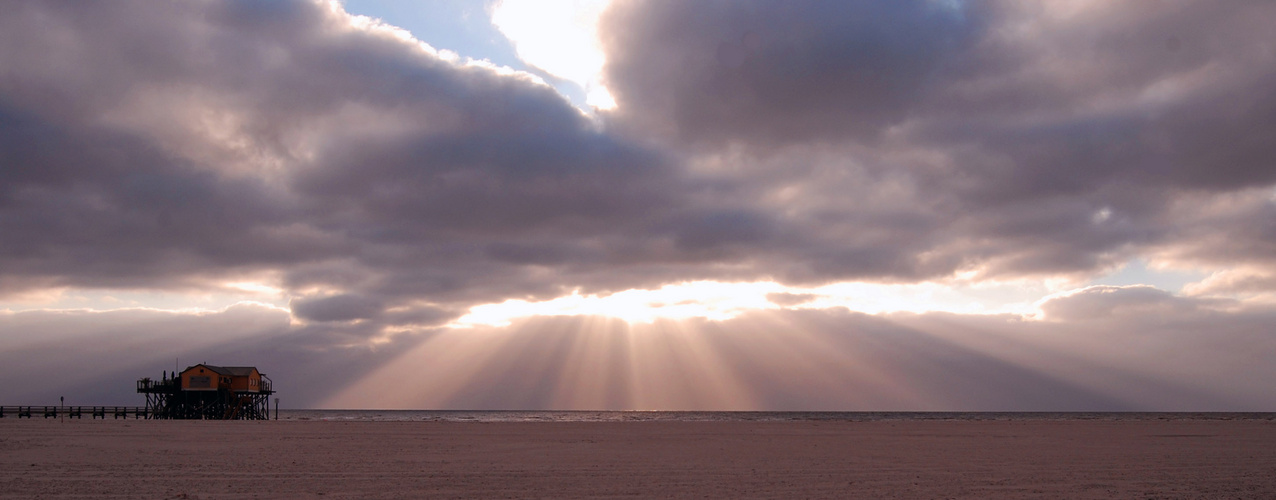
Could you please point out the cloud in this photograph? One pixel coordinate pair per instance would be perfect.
(390, 188)
(179, 146)
(336, 308)
(790, 299)
(771, 72)
(913, 140)
(1098, 302)
(1235, 281)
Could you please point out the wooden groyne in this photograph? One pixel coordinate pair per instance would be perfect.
(76, 411)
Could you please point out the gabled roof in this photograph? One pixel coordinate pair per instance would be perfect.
(230, 371)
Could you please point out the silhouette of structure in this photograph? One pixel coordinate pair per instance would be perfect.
(208, 392)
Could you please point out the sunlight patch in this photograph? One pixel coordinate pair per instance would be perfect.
(717, 301)
(700, 299)
(561, 38)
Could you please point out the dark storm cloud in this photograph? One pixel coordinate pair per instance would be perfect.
(1065, 96)
(95, 208)
(1078, 98)
(771, 72)
(1031, 138)
(337, 308)
(169, 146)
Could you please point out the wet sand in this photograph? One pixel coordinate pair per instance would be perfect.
(910, 459)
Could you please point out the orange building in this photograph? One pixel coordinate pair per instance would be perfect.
(206, 377)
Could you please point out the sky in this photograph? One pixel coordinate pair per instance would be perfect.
(644, 205)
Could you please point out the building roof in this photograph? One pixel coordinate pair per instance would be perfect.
(230, 371)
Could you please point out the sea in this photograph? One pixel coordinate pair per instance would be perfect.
(735, 416)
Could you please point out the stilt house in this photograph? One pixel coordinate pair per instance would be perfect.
(207, 392)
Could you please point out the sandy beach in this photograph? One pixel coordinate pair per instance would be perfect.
(915, 459)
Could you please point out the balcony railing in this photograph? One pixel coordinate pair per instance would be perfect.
(149, 385)
(173, 385)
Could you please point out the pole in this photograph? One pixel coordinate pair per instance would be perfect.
(276, 408)
(62, 403)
